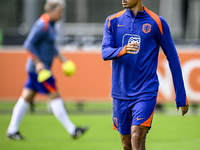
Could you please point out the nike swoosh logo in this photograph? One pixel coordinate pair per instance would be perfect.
(140, 118)
(120, 25)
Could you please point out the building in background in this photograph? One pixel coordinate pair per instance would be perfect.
(82, 26)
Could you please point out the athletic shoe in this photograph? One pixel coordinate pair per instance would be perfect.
(15, 136)
(79, 131)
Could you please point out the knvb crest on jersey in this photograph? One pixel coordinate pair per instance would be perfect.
(131, 38)
(146, 28)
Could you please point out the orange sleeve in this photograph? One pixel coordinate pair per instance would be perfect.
(122, 52)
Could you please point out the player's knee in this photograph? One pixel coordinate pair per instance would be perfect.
(126, 142)
(53, 96)
(126, 146)
(27, 98)
(138, 135)
(28, 95)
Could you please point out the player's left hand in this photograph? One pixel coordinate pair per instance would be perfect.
(184, 109)
(132, 48)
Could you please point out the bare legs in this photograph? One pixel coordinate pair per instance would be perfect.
(135, 140)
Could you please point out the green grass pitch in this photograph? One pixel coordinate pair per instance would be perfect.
(42, 131)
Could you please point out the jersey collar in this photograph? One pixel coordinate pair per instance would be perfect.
(129, 13)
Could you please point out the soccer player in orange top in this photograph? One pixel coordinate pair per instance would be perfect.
(42, 49)
(132, 39)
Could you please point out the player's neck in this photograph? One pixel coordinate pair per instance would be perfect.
(51, 17)
(136, 8)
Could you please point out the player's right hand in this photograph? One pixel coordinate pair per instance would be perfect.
(184, 109)
(39, 66)
(132, 48)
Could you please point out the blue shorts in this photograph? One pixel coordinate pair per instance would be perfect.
(127, 113)
(45, 87)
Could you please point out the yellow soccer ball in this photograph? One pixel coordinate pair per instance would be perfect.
(69, 68)
(44, 75)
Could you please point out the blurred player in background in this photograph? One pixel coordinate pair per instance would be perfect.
(41, 46)
(131, 40)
